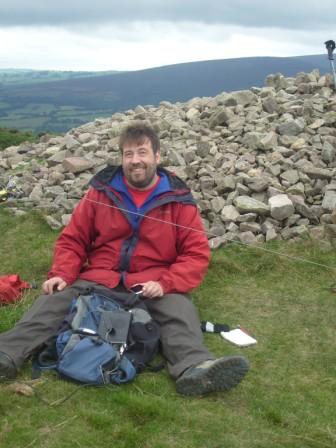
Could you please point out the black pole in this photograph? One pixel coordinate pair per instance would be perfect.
(330, 46)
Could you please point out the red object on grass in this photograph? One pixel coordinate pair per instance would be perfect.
(11, 287)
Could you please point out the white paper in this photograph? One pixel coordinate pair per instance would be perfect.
(238, 337)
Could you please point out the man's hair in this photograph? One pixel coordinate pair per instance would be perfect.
(137, 133)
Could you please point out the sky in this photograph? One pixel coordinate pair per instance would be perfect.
(99, 35)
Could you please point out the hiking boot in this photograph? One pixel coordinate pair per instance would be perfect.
(7, 367)
(212, 376)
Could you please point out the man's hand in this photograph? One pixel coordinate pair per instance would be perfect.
(152, 289)
(54, 282)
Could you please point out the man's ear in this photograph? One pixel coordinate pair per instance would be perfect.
(157, 157)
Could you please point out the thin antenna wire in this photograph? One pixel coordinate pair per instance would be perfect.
(204, 232)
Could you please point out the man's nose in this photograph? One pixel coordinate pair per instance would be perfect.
(135, 158)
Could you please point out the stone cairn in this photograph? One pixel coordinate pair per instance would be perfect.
(261, 162)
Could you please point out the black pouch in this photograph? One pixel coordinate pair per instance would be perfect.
(114, 326)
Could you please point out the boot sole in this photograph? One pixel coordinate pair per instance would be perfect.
(223, 375)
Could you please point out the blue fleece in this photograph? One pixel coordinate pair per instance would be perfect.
(118, 184)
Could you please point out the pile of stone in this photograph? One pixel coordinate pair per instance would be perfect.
(261, 162)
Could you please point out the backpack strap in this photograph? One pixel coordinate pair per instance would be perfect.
(126, 299)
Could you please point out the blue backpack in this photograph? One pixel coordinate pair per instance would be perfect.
(103, 340)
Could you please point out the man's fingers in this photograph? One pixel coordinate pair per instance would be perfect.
(152, 289)
(49, 285)
(45, 287)
(61, 286)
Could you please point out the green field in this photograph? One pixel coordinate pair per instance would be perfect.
(286, 399)
(21, 76)
(46, 117)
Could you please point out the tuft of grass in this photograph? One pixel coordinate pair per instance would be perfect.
(285, 400)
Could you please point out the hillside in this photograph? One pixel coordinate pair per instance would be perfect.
(60, 105)
(9, 77)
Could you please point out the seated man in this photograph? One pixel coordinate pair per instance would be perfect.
(137, 224)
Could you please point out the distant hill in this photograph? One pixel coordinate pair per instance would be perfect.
(60, 105)
(13, 76)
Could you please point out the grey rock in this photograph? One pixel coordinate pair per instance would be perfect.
(270, 105)
(225, 183)
(53, 223)
(58, 157)
(303, 209)
(217, 229)
(202, 148)
(298, 188)
(54, 191)
(333, 217)
(328, 153)
(247, 217)
(271, 235)
(66, 219)
(257, 184)
(246, 204)
(229, 213)
(260, 140)
(175, 157)
(248, 238)
(37, 194)
(221, 118)
(70, 142)
(329, 201)
(232, 227)
(317, 233)
(326, 218)
(278, 81)
(76, 164)
(217, 204)
(189, 155)
(291, 127)
(330, 117)
(281, 207)
(317, 173)
(330, 230)
(217, 242)
(290, 176)
(292, 220)
(206, 183)
(253, 227)
(85, 137)
(292, 232)
(244, 97)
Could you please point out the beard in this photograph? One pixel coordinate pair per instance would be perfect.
(140, 176)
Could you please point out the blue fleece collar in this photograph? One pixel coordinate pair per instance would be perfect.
(119, 185)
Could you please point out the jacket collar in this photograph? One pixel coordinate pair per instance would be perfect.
(105, 176)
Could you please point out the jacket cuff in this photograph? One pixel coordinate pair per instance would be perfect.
(165, 285)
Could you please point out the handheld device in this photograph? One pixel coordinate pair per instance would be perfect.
(136, 289)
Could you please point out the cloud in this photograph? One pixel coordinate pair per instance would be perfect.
(287, 14)
(142, 45)
(137, 34)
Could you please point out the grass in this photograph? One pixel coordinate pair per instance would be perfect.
(285, 401)
(9, 137)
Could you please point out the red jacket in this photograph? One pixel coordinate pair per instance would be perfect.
(100, 245)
